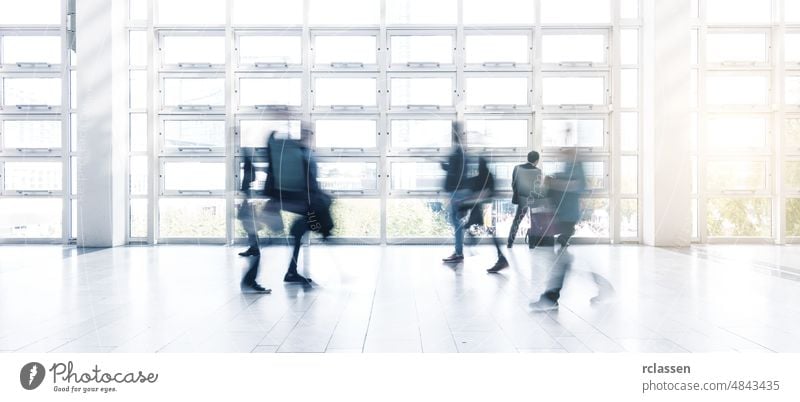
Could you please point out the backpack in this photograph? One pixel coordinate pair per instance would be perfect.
(528, 184)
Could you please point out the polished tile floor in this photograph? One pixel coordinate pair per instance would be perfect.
(398, 299)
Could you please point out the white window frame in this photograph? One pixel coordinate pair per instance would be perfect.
(501, 108)
(735, 64)
(238, 66)
(33, 109)
(499, 65)
(422, 65)
(577, 64)
(502, 150)
(579, 108)
(197, 193)
(402, 193)
(30, 152)
(191, 109)
(29, 66)
(181, 66)
(28, 192)
(422, 108)
(568, 117)
(360, 159)
(266, 109)
(237, 130)
(427, 151)
(345, 65)
(344, 151)
(203, 151)
(348, 109)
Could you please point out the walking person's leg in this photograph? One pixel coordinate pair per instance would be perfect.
(248, 219)
(567, 231)
(297, 230)
(520, 213)
(458, 227)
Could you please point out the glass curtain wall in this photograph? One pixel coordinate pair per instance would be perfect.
(379, 83)
(38, 154)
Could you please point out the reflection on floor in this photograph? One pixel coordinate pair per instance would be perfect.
(397, 299)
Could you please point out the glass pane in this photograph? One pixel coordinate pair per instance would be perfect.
(573, 91)
(33, 176)
(577, 48)
(595, 172)
(345, 91)
(270, 91)
(348, 176)
(346, 134)
(417, 176)
(694, 88)
(497, 133)
(194, 134)
(73, 89)
(573, 133)
(194, 91)
(629, 43)
(695, 218)
(497, 49)
(255, 133)
(576, 11)
(267, 12)
(496, 91)
(356, 218)
(421, 133)
(499, 12)
(138, 88)
(629, 218)
(739, 217)
(694, 47)
(191, 218)
(138, 10)
(736, 175)
(629, 8)
(732, 131)
(694, 131)
(27, 218)
(137, 44)
(502, 173)
(792, 90)
(270, 49)
(344, 12)
(32, 91)
(74, 219)
(31, 49)
(406, 218)
(629, 169)
(138, 178)
(329, 50)
(191, 12)
(736, 47)
(793, 217)
(629, 84)
(138, 223)
(421, 11)
(31, 134)
(73, 165)
(30, 12)
(594, 218)
(738, 11)
(194, 176)
(791, 174)
(422, 49)
(73, 131)
(792, 132)
(138, 132)
(737, 89)
(791, 11)
(629, 130)
(791, 47)
(421, 91)
(193, 49)
(260, 169)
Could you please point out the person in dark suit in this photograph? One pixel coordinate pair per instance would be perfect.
(526, 184)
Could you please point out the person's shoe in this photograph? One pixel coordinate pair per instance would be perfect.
(510, 244)
(255, 288)
(252, 251)
(500, 265)
(544, 304)
(294, 277)
(454, 258)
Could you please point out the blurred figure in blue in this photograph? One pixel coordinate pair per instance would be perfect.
(292, 184)
(482, 188)
(456, 184)
(248, 215)
(566, 187)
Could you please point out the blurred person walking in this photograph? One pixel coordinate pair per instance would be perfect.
(292, 184)
(456, 184)
(565, 189)
(248, 215)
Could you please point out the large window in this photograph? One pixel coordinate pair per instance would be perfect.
(380, 84)
(38, 146)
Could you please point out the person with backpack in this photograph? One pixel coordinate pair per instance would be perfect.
(482, 188)
(528, 191)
